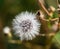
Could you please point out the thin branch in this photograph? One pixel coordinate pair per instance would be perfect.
(50, 19)
(54, 19)
(40, 3)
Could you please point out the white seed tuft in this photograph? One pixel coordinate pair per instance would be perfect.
(26, 26)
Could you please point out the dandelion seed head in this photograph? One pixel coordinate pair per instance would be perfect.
(26, 26)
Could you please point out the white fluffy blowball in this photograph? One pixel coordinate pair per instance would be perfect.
(26, 26)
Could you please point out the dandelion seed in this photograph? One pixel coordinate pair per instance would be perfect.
(26, 26)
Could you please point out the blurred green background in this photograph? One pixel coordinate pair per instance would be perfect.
(10, 8)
